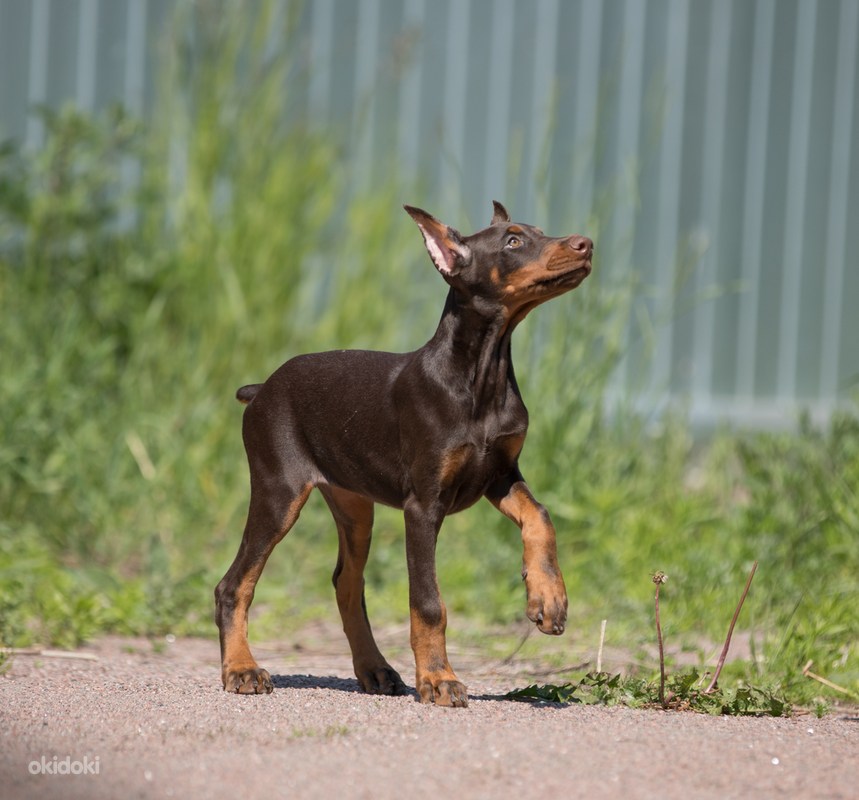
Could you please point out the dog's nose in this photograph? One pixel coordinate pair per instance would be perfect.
(581, 244)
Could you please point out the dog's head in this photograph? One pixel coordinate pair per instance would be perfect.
(509, 265)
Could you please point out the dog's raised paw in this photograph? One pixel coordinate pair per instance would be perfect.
(548, 611)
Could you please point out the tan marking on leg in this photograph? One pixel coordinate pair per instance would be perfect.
(547, 595)
(236, 657)
(293, 511)
(237, 654)
(435, 679)
(353, 514)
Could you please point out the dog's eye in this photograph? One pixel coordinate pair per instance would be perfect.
(513, 242)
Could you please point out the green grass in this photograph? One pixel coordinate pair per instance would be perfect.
(130, 316)
(683, 692)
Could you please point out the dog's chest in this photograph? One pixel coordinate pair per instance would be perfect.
(468, 467)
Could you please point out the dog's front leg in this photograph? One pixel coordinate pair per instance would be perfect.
(435, 680)
(547, 595)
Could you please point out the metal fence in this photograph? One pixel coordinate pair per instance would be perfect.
(711, 147)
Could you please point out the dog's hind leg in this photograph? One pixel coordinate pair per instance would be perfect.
(353, 514)
(273, 511)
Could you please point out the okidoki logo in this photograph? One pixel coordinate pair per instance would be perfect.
(65, 766)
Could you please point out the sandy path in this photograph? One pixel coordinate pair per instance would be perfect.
(160, 726)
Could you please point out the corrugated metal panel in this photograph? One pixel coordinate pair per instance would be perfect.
(710, 144)
(842, 146)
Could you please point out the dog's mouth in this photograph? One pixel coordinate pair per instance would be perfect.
(568, 279)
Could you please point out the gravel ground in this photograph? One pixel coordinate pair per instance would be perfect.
(157, 724)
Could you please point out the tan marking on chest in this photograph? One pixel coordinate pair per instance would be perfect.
(511, 446)
(453, 462)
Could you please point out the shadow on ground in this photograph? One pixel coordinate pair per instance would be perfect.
(351, 685)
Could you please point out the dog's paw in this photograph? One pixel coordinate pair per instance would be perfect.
(442, 692)
(250, 680)
(382, 679)
(547, 606)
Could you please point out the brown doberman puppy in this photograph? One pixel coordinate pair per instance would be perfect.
(429, 432)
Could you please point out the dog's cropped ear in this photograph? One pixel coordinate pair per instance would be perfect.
(500, 214)
(448, 251)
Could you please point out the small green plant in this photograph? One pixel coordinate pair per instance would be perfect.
(658, 579)
(680, 692)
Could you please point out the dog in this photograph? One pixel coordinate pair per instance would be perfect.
(429, 432)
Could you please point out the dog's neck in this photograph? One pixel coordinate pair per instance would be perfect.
(473, 340)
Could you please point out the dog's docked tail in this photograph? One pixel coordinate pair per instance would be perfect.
(248, 393)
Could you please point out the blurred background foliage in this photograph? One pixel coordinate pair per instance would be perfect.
(148, 270)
